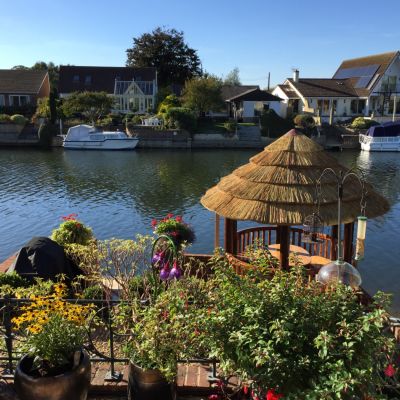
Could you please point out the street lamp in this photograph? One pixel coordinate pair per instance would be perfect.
(340, 270)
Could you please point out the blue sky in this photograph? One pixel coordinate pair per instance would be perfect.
(257, 36)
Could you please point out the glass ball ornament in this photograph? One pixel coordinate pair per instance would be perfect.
(339, 271)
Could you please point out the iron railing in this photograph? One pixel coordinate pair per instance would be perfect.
(10, 306)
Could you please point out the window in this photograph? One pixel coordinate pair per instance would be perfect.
(88, 80)
(75, 79)
(388, 84)
(18, 100)
(323, 106)
(2, 100)
(357, 106)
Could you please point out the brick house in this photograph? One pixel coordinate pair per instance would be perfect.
(21, 88)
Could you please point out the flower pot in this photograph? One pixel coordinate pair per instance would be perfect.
(73, 384)
(148, 384)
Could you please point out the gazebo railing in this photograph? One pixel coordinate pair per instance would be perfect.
(267, 236)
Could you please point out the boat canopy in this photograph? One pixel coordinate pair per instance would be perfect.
(79, 132)
(388, 129)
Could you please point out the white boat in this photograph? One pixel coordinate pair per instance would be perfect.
(88, 138)
(385, 137)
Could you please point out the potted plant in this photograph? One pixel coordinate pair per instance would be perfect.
(55, 366)
(162, 332)
(72, 231)
(288, 338)
(175, 228)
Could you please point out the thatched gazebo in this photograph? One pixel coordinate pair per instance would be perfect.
(277, 187)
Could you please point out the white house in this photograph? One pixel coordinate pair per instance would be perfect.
(367, 86)
(134, 89)
(246, 102)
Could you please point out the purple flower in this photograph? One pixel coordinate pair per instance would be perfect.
(176, 272)
(164, 274)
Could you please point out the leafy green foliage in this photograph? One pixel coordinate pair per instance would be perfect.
(362, 123)
(5, 119)
(203, 94)
(166, 50)
(272, 125)
(93, 292)
(288, 334)
(46, 132)
(93, 105)
(230, 126)
(169, 329)
(13, 280)
(169, 101)
(175, 228)
(232, 78)
(18, 119)
(72, 231)
(180, 118)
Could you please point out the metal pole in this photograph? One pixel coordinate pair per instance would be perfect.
(394, 108)
(339, 235)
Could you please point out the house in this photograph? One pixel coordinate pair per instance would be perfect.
(246, 102)
(134, 89)
(366, 86)
(21, 88)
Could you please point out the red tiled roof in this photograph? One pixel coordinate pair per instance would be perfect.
(101, 78)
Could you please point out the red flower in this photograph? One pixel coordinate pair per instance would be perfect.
(272, 395)
(170, 215)
(245, 389)
(389, 370)
(213, 397)
(153, 223)
(70, 217)
(254, 396)
(178, 218)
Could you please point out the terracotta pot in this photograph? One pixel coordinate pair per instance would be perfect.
(148, 384)
(73, 384)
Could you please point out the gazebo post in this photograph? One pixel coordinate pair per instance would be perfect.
(283, 240)
(348, 242)
(216, 231)
(230, 233)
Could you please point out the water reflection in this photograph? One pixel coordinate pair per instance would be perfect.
(118, 193)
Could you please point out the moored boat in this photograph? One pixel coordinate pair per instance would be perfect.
(88, 138)
(385, 137)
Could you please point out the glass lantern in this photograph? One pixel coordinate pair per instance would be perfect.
(339, 271)
(312, 229)
(361, 232)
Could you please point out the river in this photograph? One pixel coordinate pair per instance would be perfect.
(119, 193)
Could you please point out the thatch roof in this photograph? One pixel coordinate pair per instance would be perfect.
(278, 186)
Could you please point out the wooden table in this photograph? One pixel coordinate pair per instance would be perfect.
(302, 254)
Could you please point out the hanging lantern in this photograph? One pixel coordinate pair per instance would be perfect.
(312, 229)
(361, 232)
(339, 271)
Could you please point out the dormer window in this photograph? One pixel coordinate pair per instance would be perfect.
(75, 79)
(88, 80)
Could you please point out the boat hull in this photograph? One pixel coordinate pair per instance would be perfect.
(379, 143)
(107, 144)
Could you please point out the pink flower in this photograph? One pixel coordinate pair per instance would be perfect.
(272, 395)
(213, 397)
(390, 371)
(245, 389)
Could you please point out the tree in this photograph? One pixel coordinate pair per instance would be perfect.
(203, 94)
(232, 78)
(16, 67)
(166, 50)
(93, 105)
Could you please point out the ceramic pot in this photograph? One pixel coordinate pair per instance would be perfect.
(148, 384)
(73, 384)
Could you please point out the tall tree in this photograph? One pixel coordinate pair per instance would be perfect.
(93, 105)
(203, 94)
(232, 78)
(166, 50)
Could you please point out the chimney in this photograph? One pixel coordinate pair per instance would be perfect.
(295, 75)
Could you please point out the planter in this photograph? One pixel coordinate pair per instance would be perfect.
(70, 385)
(148, 384)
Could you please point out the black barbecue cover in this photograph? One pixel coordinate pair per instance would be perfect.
(43, 258)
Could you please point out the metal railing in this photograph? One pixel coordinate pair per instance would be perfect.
(10, 307)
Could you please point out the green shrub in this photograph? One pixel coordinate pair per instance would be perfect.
(5, 118)
(136, 120)
(273, 125)
(46, 132)
(116, 118)
(18, 119)
(72, 231)
(180, 118)
(304, 121)
(362, 123)
(171, 101)
(13, 280)
(230, 126)
(93, 292)
(105, 122)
